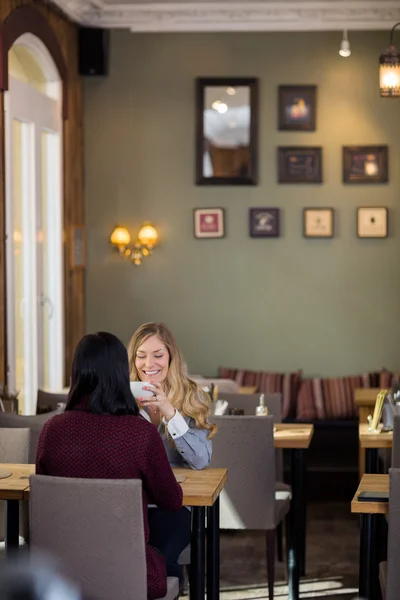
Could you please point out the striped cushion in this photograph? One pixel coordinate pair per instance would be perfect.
(288, 384)
(331, 398)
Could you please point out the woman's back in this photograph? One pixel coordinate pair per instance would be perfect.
(83, 444)
(87, 445)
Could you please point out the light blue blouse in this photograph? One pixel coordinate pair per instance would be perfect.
(186, 445)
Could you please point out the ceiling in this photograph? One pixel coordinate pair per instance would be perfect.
(228, 15)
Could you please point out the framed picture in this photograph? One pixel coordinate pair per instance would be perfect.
(297, 107)
(264, 222)
(318, 222)
(365, 164)
(302, 164)
(372, 222)
(209, 222)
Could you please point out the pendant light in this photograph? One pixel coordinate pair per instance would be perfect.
(345, 46)
(389, 70)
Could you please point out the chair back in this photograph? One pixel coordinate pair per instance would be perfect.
(14, 445)
(33, 422)
(50, 399)
(224, 385)
(14, 448)
(396, 440)
(393, 572)
(249, 402)
(94, 528)
(245, 446)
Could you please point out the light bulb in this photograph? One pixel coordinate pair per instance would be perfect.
(222, 108)
(120, 236)
(148, 235)
(345, 46)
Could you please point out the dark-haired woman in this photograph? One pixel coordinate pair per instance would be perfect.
(101, 435)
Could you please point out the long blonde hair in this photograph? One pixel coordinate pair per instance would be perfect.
(183, 393)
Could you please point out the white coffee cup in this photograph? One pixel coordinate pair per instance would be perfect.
(138, 391)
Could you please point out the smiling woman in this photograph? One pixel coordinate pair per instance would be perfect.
(180, 409)
(179, 406)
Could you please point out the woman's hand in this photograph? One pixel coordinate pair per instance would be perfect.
(159, 402)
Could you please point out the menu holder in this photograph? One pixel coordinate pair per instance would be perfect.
(373, 421)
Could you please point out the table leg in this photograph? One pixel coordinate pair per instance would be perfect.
(369, 587)
(213, 551)
(292, 556)
(372, 460)
(296, 539)
(12, 525)
(299, 503)
(198, 554)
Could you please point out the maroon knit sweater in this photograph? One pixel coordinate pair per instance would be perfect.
(82, 444)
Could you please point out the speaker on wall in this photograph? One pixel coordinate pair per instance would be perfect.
(93, 51)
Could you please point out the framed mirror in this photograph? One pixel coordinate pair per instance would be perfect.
(226, 131)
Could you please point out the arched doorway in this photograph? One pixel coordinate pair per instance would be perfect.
(34, 232)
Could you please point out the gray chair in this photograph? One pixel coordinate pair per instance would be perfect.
(94, 528)
(389, 573)
(14, 448)
(396, 441)
(50, 399)
(33, 422)
(249, 402)
(224, 385)
(251, 498)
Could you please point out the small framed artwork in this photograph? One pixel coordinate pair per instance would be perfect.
(318, 222)
(372, 222)
(297, 107)
(302, 164)
(365, 164)
(209, 222)
(264, 222)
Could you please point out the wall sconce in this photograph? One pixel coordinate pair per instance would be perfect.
(389, 70)
(146, 240)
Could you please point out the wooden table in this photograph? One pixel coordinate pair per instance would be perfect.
(201, 490)
(12, 491)
(371, 534)
(370, 443)
(293, 435)
(365, 399)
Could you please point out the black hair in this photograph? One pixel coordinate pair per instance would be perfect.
(100, 376)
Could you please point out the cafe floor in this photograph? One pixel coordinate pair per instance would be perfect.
(332, 559)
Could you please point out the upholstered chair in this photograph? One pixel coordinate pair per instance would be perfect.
(94, 528)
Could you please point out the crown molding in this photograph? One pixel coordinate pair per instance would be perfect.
(285, 15)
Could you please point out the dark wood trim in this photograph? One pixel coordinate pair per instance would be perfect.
(26, 19)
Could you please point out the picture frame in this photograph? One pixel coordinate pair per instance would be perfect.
(318, 222)
(372, 222)
(299, 164)
(365, 164)
(297, 107)
(264, 222)
(226, 131)
(209, 223)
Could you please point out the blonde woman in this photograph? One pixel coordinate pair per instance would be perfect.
(179, 408)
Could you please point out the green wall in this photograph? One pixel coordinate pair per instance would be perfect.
(331, 307)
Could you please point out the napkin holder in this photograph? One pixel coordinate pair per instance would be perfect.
(384, 410)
